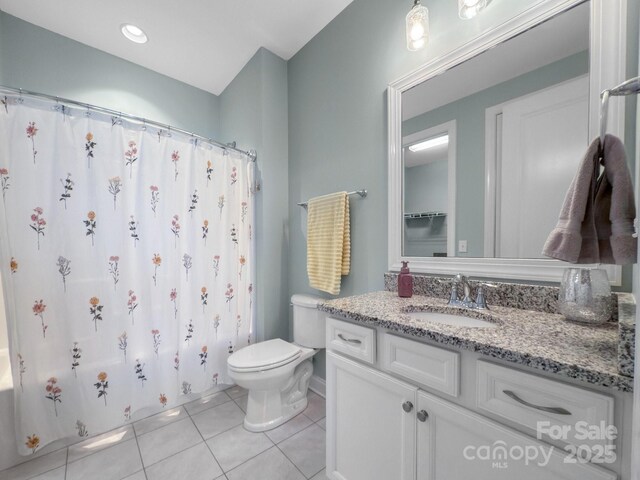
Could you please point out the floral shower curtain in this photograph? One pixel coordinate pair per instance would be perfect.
(127, 262)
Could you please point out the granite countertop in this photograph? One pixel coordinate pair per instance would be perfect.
(545, 341)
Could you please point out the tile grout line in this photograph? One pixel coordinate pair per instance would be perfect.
(33, 460)
(285, 455)
(177, 420)
(296, 433)
(234, 400)
(144, 468)
(205, 442)
(273, 444)
(168, 456)
(288, 438)
(66, 464)
(135, 437)
(208, 408)
(41, 473)
(291, 461)
(250, 458)
(103, 449)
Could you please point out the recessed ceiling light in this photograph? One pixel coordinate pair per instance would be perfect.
(133, 33)
(432, 142)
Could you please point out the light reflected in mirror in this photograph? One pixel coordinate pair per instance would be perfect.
(516, 118)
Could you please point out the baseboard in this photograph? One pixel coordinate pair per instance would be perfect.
(318, 385)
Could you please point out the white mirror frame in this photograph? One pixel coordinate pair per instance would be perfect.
(606, 70)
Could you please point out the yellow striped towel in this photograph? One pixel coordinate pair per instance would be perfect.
(328, 241)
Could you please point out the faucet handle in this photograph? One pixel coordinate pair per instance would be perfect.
(453, 299)
(481, 301)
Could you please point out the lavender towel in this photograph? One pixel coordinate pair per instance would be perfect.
(596, 220)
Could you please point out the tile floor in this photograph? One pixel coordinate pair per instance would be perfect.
(202, 440)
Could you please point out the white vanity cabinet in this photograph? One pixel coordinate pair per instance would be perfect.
(382, 427)
(456, 443)
(372, 431)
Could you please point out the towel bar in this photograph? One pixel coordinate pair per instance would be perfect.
(362, 193)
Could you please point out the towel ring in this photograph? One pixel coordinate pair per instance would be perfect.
(604, 110)
(630, 87)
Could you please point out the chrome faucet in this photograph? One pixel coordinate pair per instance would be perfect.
(466, 302)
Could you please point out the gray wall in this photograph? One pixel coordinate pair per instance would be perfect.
(337, 121)
(36, 59)
(254, 113)
(426, 190)
(425, 187)
(469, 113)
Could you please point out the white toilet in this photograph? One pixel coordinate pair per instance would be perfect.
(276, 372)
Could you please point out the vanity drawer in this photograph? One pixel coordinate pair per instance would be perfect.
(430, 366)
(350, 339)
(527, 399)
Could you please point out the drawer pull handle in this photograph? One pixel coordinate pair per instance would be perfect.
(355, 341)
(407, 406)
(556, 410)
(422, 415)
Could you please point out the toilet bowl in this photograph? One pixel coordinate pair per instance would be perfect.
(277, 373)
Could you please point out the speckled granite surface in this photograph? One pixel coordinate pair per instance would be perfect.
(532, 297)
(626, 333)
(541, 340)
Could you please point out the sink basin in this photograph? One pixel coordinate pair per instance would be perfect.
(451, 319)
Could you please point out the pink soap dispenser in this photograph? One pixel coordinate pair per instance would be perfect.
(405, 282)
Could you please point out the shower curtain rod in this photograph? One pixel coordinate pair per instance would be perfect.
(251, 154)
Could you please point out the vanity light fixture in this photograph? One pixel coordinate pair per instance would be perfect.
(133, 33)
(417, 27)
(431, 143)
(470, 8)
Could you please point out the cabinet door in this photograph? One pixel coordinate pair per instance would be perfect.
(370, 436)
(455, 443)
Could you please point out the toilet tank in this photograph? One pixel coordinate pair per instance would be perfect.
(308, 321)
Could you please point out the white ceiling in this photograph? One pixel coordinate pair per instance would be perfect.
(423, 157)
(204, 43)
(551, 41)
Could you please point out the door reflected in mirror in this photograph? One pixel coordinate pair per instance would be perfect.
(429, 202)
(515, 119)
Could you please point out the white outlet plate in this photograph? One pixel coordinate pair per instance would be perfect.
(462, 246)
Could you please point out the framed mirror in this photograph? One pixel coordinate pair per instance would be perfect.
(484, 142)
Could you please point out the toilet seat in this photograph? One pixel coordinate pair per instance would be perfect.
(263, 356)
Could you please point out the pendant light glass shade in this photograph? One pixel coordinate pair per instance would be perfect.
(417, 27)
(470, 8)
